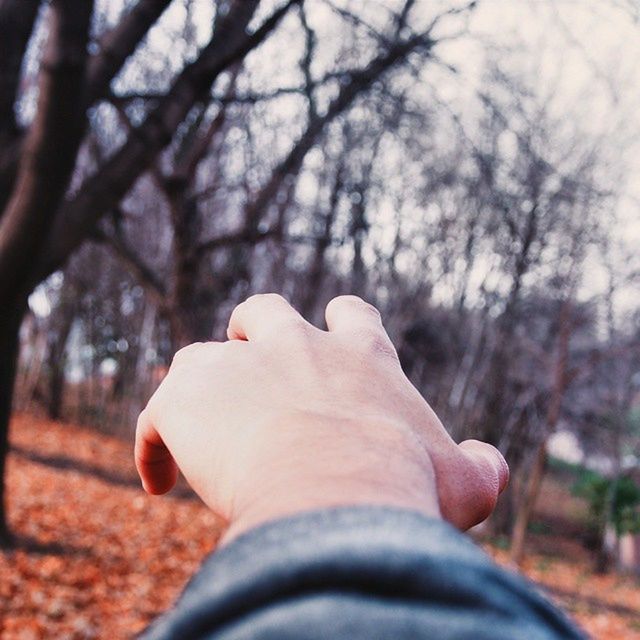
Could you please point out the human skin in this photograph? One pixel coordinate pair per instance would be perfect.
(284, 417)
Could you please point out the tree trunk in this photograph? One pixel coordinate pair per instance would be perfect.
(57, 360)
(525, 510)
(56, 389)
(317, 269)
(501, 520)
(534, 483)
(9, 347)
(604, 555)
(181, 336)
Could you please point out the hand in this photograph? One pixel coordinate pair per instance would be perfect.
(284, 417)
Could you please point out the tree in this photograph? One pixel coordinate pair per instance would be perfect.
(38, 219)
(62, 186)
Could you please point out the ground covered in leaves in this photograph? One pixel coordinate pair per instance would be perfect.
(97, 558)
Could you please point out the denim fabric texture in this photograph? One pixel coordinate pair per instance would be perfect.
(358, 573)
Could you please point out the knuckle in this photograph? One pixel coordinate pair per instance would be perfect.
(346, 298)
(147, 415)
(292, 327)
(200, 352)
(187, 352)
(276, 297)
(259, 303)
(356, 303)
(260, 298)
(143, 418)
(375, 343)
(367, 307)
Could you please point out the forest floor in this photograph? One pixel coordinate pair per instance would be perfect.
(98, 558)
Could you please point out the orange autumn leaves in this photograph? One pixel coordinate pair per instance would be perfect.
(98, 558)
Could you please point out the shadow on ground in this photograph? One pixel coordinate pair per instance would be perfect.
(62, 462)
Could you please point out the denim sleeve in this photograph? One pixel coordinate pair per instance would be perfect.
(357, 573)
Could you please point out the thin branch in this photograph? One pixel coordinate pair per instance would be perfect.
(357, 21)
(359, 81)
(251, 237)
(242, 98)
(454, 11)
(403, 16)
(233, 238)
(119, 43)
(131, 96)
(305, 63)
(143, 273)
(187, 166)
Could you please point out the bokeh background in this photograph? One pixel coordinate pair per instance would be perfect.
(472, 169)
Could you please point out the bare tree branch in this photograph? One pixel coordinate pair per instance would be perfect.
(403, 16)
(118, 44)
(358, 82)
(115, 48)
(358, 21)
(122, 99)
(143, 273)
(243, 236)
(247, 237)
(104, 190)
(305, 63)
(188, 164)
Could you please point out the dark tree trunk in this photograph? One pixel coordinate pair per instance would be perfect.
(57, 360)
(501, 520)
(181, 329)
(533, 482)
(9, 346)
(56, 390)
(536, 474)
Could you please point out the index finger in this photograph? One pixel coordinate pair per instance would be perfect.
(155, 464)
(262, 316)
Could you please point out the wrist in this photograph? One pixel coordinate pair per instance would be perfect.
(314, 464)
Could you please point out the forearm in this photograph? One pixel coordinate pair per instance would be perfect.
(359, 572)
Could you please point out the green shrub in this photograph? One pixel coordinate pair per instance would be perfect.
(622, 494)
